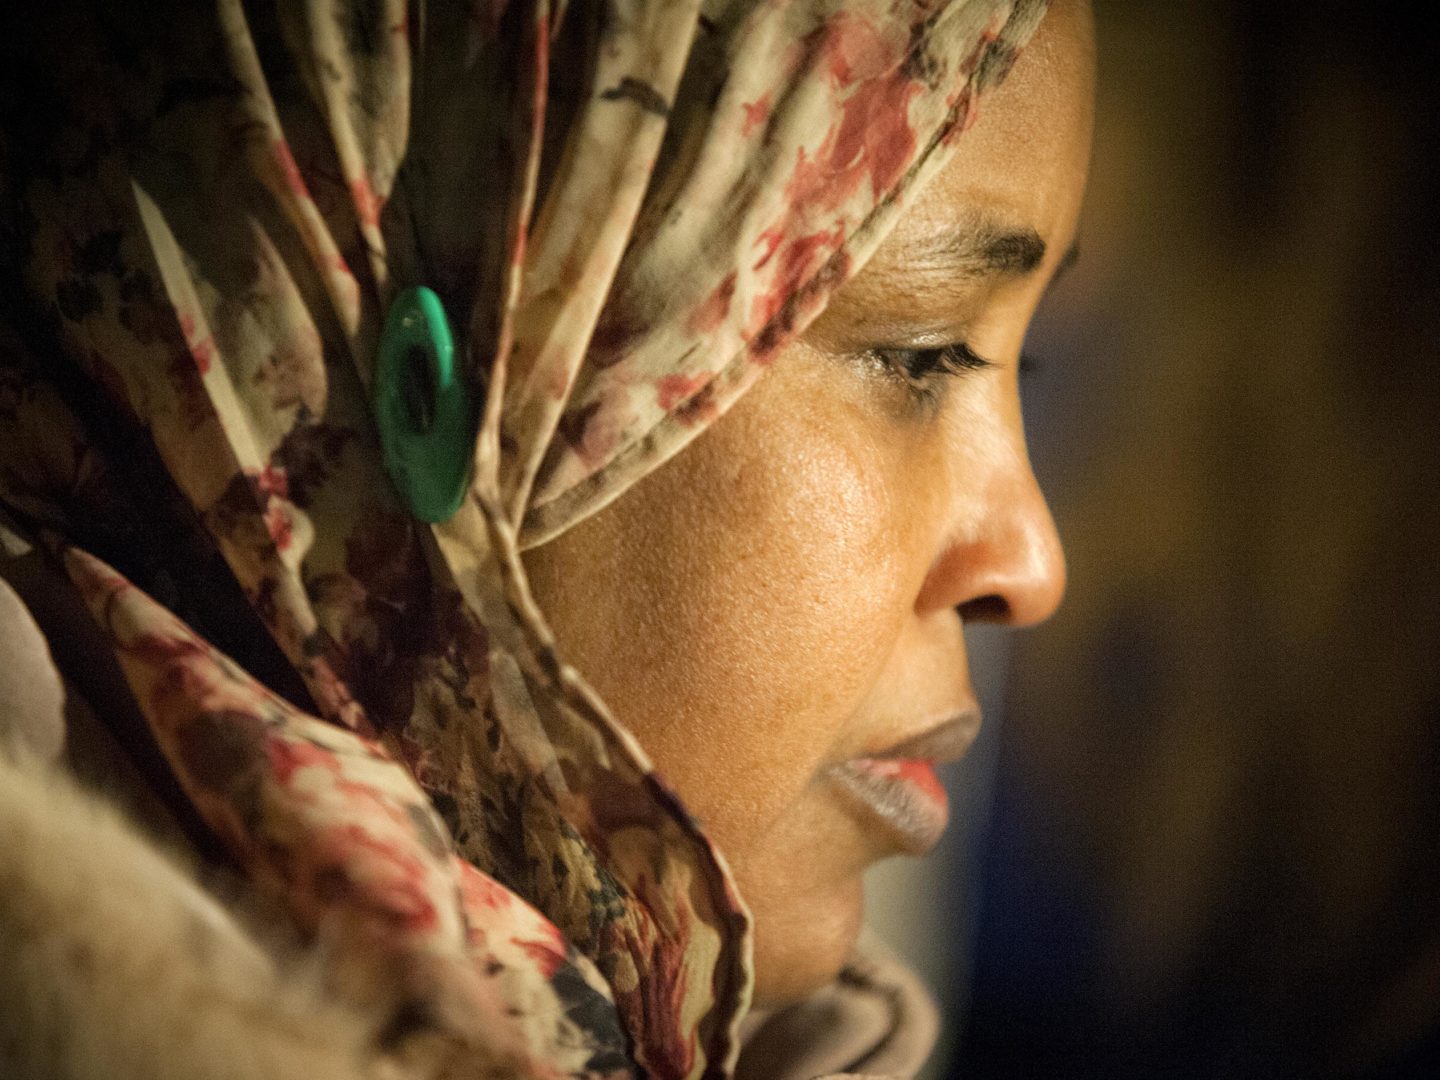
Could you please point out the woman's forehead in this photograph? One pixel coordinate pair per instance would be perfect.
(1008, 197)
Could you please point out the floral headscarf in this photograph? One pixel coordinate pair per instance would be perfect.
(626, 208)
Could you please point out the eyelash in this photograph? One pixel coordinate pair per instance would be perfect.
(921, 369)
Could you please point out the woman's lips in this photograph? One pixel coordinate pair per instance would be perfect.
(897, 787)
(903, 795)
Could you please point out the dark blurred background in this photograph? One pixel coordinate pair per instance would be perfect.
(1201, 836)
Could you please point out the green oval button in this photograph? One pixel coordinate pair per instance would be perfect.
(423, 407)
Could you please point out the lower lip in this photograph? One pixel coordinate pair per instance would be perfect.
(905, 796)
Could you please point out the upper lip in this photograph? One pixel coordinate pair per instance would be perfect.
(944, 741)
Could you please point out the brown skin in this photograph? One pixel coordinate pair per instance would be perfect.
(788, 593)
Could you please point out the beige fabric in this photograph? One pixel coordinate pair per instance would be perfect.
(45, 716)
(120, 967)
(876, 1019)
(31, 698)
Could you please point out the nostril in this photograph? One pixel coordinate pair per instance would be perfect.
(991, 608)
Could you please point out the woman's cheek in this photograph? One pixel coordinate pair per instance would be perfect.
(737, 605)
(797, 593)
(845, 563)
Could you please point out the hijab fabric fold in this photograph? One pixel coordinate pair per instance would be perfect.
(627, 209)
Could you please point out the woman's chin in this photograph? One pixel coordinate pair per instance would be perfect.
(801, 947)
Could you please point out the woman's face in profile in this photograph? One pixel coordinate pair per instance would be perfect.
(777, 612)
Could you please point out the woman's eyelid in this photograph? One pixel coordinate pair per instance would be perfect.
(919, 338)
(899, 322)
(948, 358)
(920, 353)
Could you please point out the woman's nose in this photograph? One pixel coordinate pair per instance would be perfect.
(1005, 563)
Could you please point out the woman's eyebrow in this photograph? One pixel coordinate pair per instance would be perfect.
(982, 246)
(979, 246)
(976, 246)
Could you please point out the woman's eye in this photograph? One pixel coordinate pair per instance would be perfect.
(922, 369)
